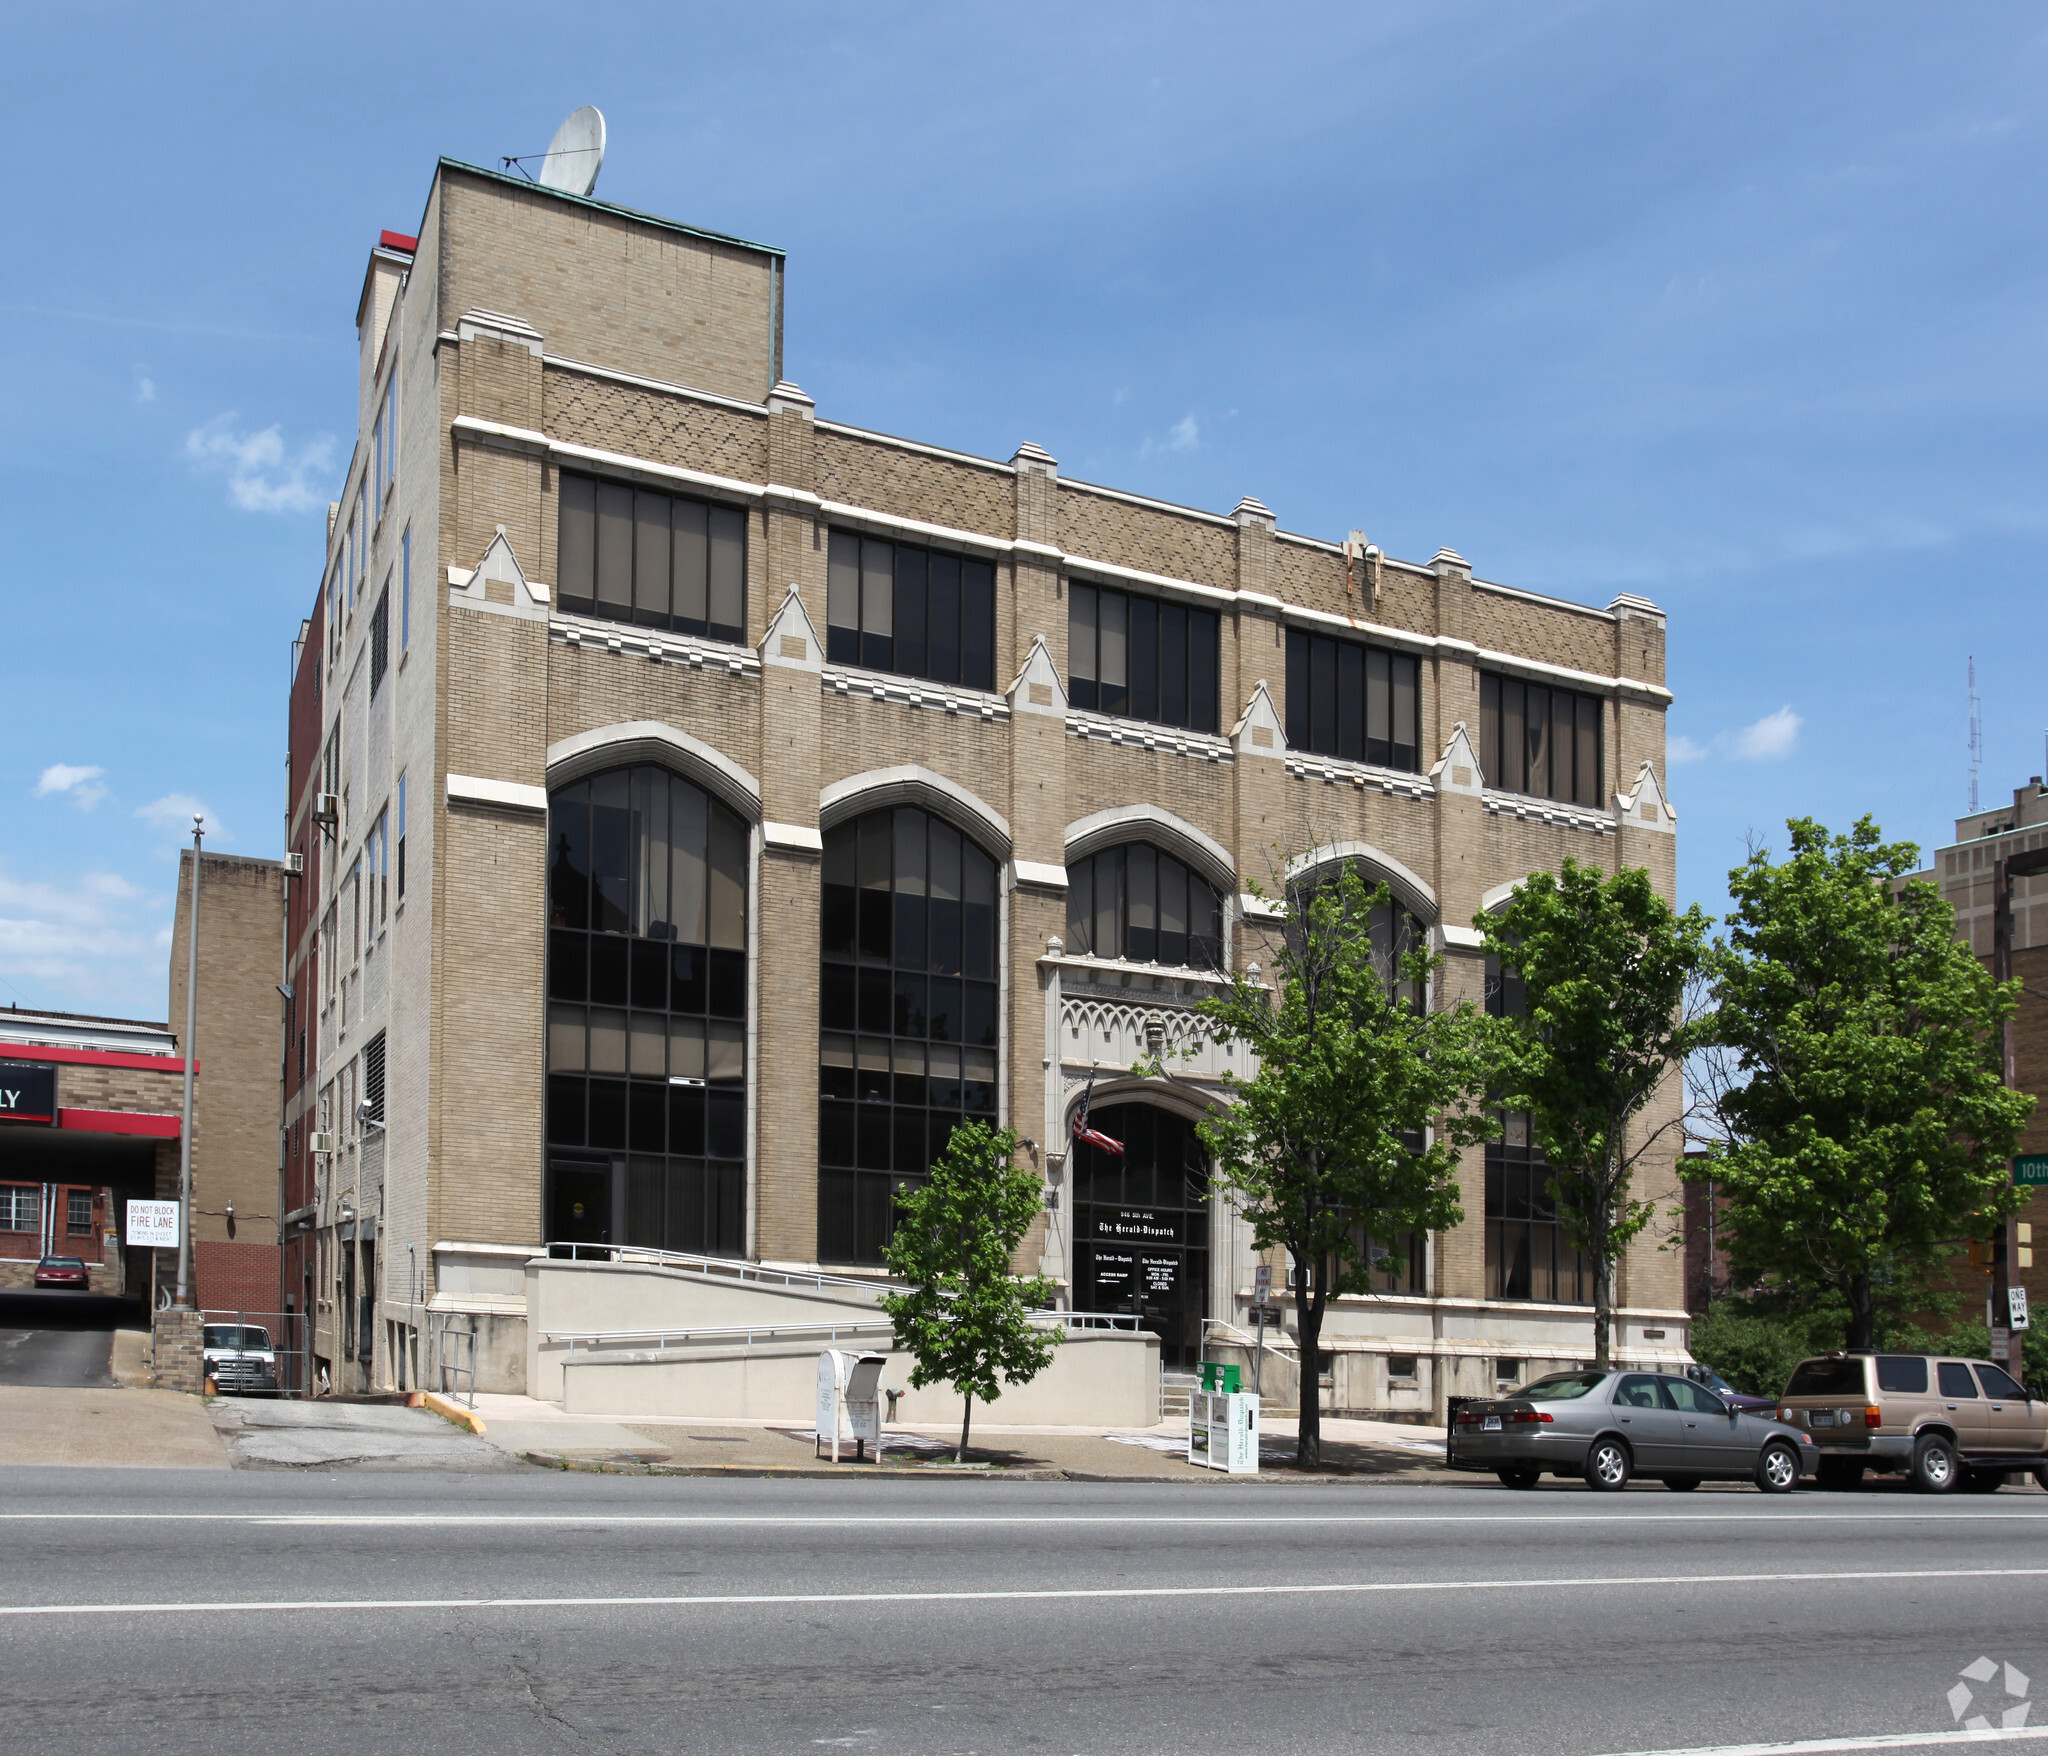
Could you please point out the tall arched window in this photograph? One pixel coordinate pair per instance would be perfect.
(909, 1012)
(1139, 905)
(1396, 933)
(647, 1005)
(1529, 1253)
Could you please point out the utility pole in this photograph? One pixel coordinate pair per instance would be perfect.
(2003, 872)
(184, 1294)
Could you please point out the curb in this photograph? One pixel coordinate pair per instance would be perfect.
(451, 1411)
(785, 1471)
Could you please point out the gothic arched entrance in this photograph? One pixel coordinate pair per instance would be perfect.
(1141, 1225)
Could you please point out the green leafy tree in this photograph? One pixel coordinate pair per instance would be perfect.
(1323, 1147)
(1870, 1125)
(1603, 964)
(966, 1320)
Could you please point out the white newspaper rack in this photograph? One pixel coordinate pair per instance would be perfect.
(847, 1402)
(1223, 1423)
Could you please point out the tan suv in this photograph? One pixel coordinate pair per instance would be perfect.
(1942, 1423)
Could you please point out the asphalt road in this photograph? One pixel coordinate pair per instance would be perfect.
(55, 1339)
(354, 1613)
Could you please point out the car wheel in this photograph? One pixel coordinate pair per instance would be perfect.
(1777, 1468)
(1837, 1474)
(1983, 1481)
(1519, 1478)
(1681, 1484)
(1934, 1465)
(1607, 1465)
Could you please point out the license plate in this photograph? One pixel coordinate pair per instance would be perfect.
(1489, 1424)
(1821, 1417)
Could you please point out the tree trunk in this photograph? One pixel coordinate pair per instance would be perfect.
(1308, 1316)
(1862, 1313)
(966, 1420)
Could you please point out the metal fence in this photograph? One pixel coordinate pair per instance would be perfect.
(287, 1335)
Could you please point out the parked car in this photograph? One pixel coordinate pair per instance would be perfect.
(1943, 1423)
(1750, 1405)
(239, 1358)
(63, 1271)
(1606, 1427)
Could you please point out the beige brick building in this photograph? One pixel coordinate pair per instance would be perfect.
(704, 803)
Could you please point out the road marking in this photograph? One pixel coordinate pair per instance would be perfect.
(1321, 1521)
(1881, 1741)
(1349, 1588)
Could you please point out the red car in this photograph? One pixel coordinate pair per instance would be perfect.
(62, 1271)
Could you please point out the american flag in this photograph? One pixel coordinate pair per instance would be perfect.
(1093, 1136)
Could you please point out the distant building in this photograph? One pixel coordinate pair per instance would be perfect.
(704, 804)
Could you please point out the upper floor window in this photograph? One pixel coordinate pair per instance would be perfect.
(1534, 739)
(1138, 905)
(634, 555)
(1394, 933)
(918, 612)
(1142, 658)
(1355, 702)
(380, 637)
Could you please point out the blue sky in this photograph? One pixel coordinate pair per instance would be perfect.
(1739, 307)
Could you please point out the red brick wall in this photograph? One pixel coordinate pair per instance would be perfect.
(235, 1277)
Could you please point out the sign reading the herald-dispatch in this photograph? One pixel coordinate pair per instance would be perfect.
(28, 1093)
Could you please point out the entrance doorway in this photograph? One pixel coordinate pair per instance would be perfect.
(1141, 1225)
(579, 1200)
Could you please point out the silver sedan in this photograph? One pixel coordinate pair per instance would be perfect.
(1607, 1427)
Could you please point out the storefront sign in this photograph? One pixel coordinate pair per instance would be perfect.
(1137, 1225)
(28, 1092)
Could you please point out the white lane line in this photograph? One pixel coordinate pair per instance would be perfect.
(1880, 1741)
(1348, 1588)
(1616, 1518)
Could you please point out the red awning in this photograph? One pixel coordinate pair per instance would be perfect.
(119, 1122)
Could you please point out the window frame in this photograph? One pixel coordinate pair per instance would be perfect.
(1086, 874)
(1508, 742)
(872, 604)
(593, 505)
(1144, 625)
(1343, 726)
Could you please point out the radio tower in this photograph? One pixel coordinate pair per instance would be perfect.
(1976, 734)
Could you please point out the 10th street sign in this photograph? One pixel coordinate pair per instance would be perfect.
(2030, 1169)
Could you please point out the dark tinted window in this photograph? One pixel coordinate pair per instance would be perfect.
(634, 555)
(1904, 1373)
(1142, 658)
(1997, 1384)
(1529, 1251)
(1955, 1380)
(1534, 739)
(1139, 905)
(1843, 1377)
(1351, 701)
(908, 1014)
(917, 612)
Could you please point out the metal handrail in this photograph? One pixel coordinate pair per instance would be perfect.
(819, 1331)
(726, 1265)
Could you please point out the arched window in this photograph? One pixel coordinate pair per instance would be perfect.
(1139, 905)
(909, 1014)
(647, 1006)
(1529, 1253)
(1396, 933)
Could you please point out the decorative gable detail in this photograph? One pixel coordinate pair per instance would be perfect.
(499, 583)
(1645, 806)
(1457, 769)
(1258, 731)
(1037, 687)
(791, 641)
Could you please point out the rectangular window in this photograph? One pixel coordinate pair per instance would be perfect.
(21, 1207)
(1529, 1251)
(634, 555)
(405, 590)
(78, 1213)
(401, 837)
(1538, 740)
(1359, 703)
(373, 1079)
(916, 612)
(1142, 658)
(380, 637)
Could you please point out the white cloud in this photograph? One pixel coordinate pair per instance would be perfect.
(1184, 435)
(81, 785)
(174, 812)
(86, 944)
(1769, 738)
(1683, 749)
(145, 388)
(263, 475)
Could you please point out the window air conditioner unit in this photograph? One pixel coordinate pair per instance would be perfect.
(321, 1140)
(326, 807)
(295, 863)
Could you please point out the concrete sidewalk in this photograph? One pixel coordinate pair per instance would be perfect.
(540, 1431)
(125, 1429)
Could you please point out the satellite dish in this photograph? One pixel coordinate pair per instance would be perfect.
(576, 154)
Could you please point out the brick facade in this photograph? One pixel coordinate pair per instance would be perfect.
(532, 334)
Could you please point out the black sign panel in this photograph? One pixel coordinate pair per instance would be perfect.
(1136, 1225)
(28, 1092)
